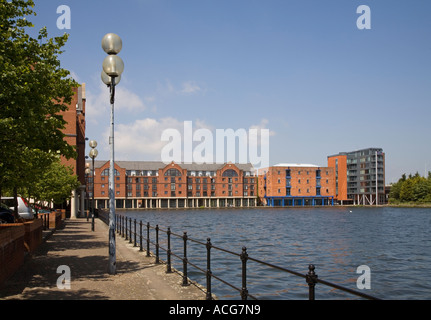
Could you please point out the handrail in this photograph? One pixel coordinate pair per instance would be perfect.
(311, 277)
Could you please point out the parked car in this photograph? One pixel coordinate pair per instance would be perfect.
(6, 214)
(24, 210)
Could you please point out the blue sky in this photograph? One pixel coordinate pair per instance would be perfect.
(300, 68)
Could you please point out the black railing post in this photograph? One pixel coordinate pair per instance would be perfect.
(311, 279)
(244, 258)
(157, 244)
(140, 235)
(122, 226)
(168, 266)
(185, 279)
(148, 239)
(130, 230)
(126, 231)
(208, 273)
(134, 225)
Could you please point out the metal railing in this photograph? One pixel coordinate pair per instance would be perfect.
(124, 228)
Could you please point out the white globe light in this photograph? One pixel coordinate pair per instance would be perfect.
(112, 43)
(107, 79)
(93, 153)
(113, 66)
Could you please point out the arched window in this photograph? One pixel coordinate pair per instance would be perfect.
(173, 173)
(230, 173)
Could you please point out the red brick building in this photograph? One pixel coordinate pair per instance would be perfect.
(153, 184)
(286, 185)
(75, 136)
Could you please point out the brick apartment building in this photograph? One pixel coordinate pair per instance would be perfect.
(153, 184)
(75, 136)
(359, 176)
(289, 185)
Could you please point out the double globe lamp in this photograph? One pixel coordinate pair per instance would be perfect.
(113, 67)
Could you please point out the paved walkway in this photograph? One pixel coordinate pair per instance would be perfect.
(86, 254)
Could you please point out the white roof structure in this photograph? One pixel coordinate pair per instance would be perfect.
(303, 165)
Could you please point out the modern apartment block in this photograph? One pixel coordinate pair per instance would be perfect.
(359, 176)
(290, 185)
(153, 184)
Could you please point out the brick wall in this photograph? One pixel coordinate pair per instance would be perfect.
(11, 249)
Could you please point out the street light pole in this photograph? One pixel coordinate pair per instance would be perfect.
(87, 174)
(113, 67)
(93, 155)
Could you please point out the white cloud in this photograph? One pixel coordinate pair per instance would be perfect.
(190, 87)
(186, 88)
(263, 125)
(141, 140)
(98, 101)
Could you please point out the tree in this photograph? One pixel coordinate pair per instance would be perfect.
(34, 89)
(413, 188)
(55, 184)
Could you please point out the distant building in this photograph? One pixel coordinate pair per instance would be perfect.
(75, 136)
(289, 185)
(154, 184)
(359, 176)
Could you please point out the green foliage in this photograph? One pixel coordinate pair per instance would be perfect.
(411, 189)
(34, 89)
(55, 183)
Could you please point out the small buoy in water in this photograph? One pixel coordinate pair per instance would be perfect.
(350, 211)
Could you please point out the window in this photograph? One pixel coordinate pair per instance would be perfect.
(230, 173)
(106, 172)
(173, 172)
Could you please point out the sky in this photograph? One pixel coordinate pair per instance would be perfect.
(302, 69)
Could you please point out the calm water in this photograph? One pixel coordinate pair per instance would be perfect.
(395, 243)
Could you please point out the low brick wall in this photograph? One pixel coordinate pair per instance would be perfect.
(55, 220)
(11, 249)
(52, 220)
(18, 238)
(33, 234)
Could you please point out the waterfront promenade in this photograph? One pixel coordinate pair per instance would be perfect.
(86, 254)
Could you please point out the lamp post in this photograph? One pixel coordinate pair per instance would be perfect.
(93, 154)
(87, 174)
(113, 67)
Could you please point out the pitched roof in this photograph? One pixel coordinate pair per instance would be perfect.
(156, 165)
